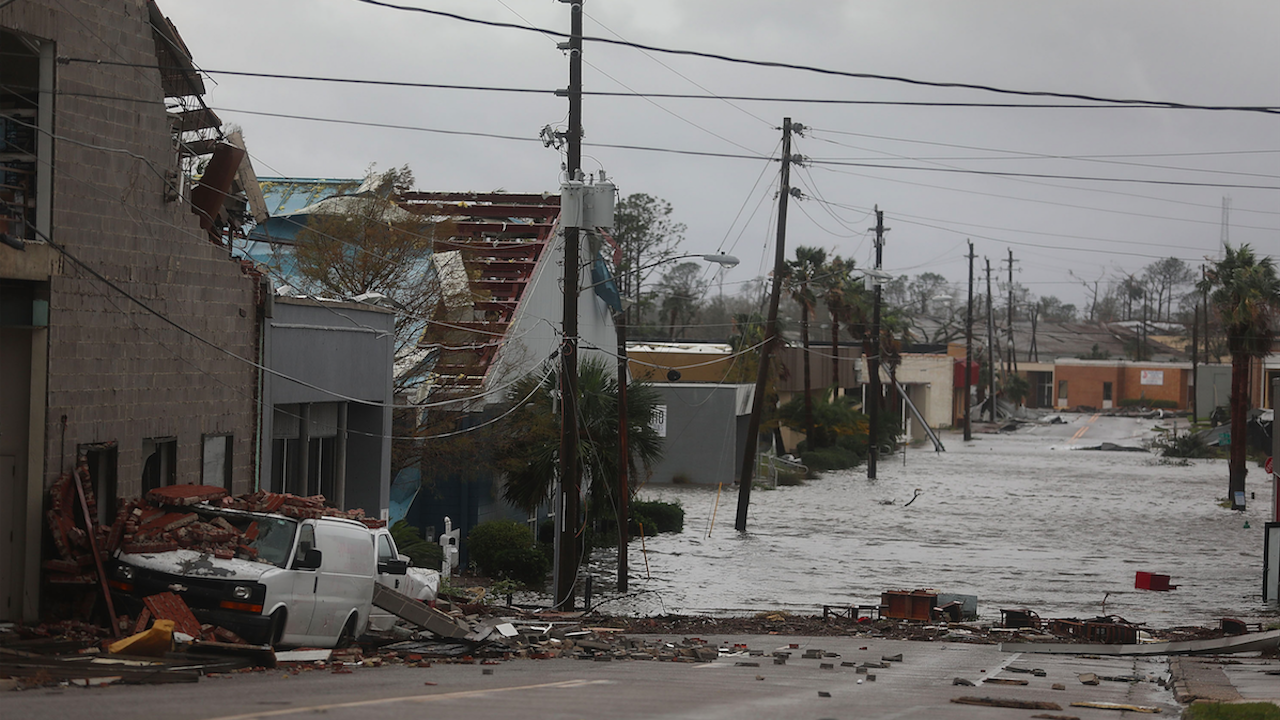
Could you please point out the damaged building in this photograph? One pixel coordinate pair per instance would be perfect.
(127, 330)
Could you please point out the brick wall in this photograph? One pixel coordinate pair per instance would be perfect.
(1084, 383)
(116, 371)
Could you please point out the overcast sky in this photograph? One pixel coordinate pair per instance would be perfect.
(1061, 231)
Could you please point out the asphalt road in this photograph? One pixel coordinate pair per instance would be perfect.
(920, 686)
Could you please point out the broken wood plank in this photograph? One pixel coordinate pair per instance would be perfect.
(1119, 706)
(1006, 703)
(1003, 681)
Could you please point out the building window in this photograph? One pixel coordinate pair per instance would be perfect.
(216, 459)
(1106, 392)
(160, 463)
(101, 459)
(1062, 392)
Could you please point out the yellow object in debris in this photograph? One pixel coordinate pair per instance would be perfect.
(149, 643)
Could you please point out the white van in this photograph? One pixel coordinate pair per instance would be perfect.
(312, 583)
(395, 572)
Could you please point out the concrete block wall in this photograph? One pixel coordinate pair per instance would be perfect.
(116, 371)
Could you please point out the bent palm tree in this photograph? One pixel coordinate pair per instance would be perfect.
(1246, 293)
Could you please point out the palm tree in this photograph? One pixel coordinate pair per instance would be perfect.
(839, 291)
(529, 437)
(801, 273)
(1246, 293)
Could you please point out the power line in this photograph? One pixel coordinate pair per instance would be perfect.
(998, 173)
(829, 71)
(1107, 105)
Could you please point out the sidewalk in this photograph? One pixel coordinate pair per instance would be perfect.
(1226, 679)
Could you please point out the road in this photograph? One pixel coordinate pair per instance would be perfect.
(920, 686)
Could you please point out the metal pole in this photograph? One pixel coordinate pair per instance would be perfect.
(567, 515)
(770, 337)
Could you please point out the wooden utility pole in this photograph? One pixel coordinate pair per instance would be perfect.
(1195, 362)
(770, 330)
(1013, 356)
(624, 488)
(566, 566)
(992, 356)
(968, 354)
(873, 362)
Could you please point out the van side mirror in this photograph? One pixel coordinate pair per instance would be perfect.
(394, 567)
(310, 560)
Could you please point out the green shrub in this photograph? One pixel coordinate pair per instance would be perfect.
(1187, 445)
(1164, 404)
(657, 517)
(830, 458)
(409, 541)
(1131, 402)
(505, 549)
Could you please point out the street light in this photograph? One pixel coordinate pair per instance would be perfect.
(624, 488)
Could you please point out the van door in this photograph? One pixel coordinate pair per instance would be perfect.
(387, 552)
(302, 603)
(345, 580)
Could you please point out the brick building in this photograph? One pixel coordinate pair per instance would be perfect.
(1102, 384)
(120, 316)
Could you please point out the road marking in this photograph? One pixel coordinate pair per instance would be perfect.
(411, 698)
(1082, 430)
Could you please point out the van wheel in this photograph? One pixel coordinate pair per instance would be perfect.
(276, 631)
(347, 637)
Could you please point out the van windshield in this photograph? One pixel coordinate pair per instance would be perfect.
(274, 539)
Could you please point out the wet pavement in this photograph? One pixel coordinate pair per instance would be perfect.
(828, 685)
(1020, 520)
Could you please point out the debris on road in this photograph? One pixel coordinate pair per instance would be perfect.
(1007, 703)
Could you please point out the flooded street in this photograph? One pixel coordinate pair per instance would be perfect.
(1019, 520)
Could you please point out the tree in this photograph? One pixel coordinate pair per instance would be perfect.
(924, 288)
(681, 290)
(1246, 294)
(529, 437)
(646, 235)
(838, 291)
(365, 243)
(1163, 278)
(1051, 309)
(801, 274)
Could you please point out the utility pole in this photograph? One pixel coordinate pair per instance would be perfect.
(1195, 361)
(1013, 356)
(624, 489)
(770, 332)
(968, 354)
(566, 566)
(992, 356)
(873, 362)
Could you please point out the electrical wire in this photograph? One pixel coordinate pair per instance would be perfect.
(829, 71)
(1104, 104)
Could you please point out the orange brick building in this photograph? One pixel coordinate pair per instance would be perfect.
(1105, 383)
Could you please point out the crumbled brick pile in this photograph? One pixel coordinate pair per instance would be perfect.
(164, 521)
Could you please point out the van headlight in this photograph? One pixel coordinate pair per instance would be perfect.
(242, 592)
(125, 571)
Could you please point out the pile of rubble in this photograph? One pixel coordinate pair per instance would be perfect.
(164, 521)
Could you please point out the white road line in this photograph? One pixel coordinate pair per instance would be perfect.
(411, 698)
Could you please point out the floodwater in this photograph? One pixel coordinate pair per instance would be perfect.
(1019, 520)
